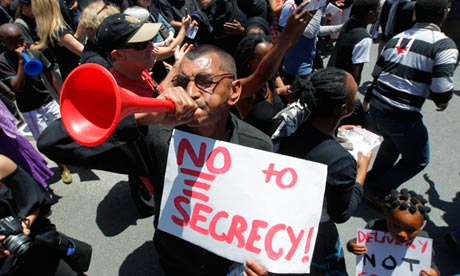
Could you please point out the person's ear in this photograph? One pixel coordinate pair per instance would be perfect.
(116, 54)
(346, 109)
(423, 225)
(236, 92)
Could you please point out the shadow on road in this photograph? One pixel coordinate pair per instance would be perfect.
(447, 255)
(143, 261)
(116, 211)
(450, 210)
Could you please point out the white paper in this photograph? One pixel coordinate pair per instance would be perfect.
(361, 139)
(332, 10)
(213, 186)
(385, 256)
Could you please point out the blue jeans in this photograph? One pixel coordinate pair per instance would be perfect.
(405, 139)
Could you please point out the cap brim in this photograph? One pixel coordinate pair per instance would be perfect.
(145, 33)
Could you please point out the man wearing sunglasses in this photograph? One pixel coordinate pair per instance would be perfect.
(203, 89)
(127, 42)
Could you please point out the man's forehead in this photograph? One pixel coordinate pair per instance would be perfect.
(209, 63)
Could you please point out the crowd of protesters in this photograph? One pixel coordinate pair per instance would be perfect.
(231, 68)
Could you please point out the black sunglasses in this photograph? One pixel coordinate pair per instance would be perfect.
(137, 46)
(203, 81)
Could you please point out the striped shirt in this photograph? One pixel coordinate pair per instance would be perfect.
(413, 65)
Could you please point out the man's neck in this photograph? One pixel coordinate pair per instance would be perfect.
(431, 26)
(326, 126)
(219, 132)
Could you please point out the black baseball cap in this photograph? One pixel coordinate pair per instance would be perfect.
(120, 29)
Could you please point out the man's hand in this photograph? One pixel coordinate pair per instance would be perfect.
(186, 21)
(338, 3)
(234, 27)
(184, 108)
(362, 165)
(3, 252)
(296, 23)
(251, 268)
(356, 248)
(180, 52)
(284, 90)
(430, 272)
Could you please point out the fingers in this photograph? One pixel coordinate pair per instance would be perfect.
(184, 105)
(360, 249)
(345, 127)
(251, 268)
(364, 158)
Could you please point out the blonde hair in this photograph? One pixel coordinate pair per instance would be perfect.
(49, 19)
(92, 16)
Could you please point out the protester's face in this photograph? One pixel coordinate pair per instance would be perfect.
(214, 101)
(204, 4)
(259, 52)
(27, 10)
(144, 3)
(375, 15)
(14, 40)
(352, 89)
(138, 58)
(403, 225)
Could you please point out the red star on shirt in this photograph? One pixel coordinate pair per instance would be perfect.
(401, 50)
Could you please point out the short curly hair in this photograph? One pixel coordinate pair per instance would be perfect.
(407, 200)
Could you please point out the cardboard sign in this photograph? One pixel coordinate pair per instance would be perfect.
(386, 256)
(243, 203)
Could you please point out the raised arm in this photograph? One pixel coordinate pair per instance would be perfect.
(267, 68)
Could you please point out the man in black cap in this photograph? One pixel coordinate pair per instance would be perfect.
(128, 43)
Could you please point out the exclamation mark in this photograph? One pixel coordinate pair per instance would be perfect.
(306, 258)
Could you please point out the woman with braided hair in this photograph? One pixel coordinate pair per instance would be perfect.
(330, 95)
(405, 216)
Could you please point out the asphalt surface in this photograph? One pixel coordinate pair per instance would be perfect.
(97, 206)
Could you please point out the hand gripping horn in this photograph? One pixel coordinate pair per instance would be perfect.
(92, 104)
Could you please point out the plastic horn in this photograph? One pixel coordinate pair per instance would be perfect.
(32, 67)
(92, 104)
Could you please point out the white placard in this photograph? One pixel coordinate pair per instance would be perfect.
(386, 256)
(242, 203)
(332, 10)
(361, 139)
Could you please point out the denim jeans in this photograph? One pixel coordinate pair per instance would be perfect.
(402, 138)
(38, 119)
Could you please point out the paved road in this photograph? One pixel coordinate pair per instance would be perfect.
(97, 206)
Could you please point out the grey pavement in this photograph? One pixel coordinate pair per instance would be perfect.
(97, 206)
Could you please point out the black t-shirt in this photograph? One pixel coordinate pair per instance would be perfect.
(35, 93)
(262, 112)
(343, 193)
(66, 59)
(92, 54)
(211, 25)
